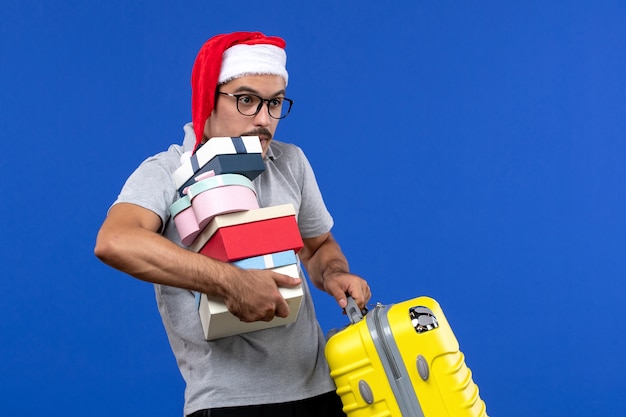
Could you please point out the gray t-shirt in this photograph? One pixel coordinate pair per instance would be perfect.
(281, 364)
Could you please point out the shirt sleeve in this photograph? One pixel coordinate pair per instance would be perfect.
(151, 185)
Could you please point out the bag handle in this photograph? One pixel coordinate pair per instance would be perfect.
(354, 313)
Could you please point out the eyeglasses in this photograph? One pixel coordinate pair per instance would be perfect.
(250, 105)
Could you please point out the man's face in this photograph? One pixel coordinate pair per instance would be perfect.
(226, 120)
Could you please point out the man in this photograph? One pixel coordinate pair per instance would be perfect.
(278, 371)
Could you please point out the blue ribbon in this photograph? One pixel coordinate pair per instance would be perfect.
(195, 166)
(239, 145)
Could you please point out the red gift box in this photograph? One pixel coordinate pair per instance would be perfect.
(235, 236)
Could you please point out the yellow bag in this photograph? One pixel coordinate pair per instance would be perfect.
(402, 360)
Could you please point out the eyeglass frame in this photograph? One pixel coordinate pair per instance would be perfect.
(261, 102)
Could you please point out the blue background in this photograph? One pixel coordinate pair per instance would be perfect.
(471, 152)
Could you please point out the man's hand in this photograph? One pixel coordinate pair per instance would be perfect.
(338, 284)
(253, 295)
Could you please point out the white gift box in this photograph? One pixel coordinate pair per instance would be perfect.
(192, 164)
(218, 322)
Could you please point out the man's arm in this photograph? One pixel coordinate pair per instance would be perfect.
(128, 241)
(329, 271)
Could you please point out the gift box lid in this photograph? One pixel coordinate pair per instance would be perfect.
(180, 205)
(232, 219)
(272, 260)
(215, 181)
(190, 164)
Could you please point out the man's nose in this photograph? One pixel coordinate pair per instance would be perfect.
(262, 118)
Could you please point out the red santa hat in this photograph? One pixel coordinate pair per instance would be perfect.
(226, 57)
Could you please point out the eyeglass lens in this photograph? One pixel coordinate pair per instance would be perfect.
(250, 104)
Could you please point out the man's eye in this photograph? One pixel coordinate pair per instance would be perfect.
(246, 99)
(276, 102)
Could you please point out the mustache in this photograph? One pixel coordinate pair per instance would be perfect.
(259, 131)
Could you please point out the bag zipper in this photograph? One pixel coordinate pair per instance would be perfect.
(395, 371)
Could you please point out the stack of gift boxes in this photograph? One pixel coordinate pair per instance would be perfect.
(217, 214)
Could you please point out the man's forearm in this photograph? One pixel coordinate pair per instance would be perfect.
(150, 257)
(323, 260)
